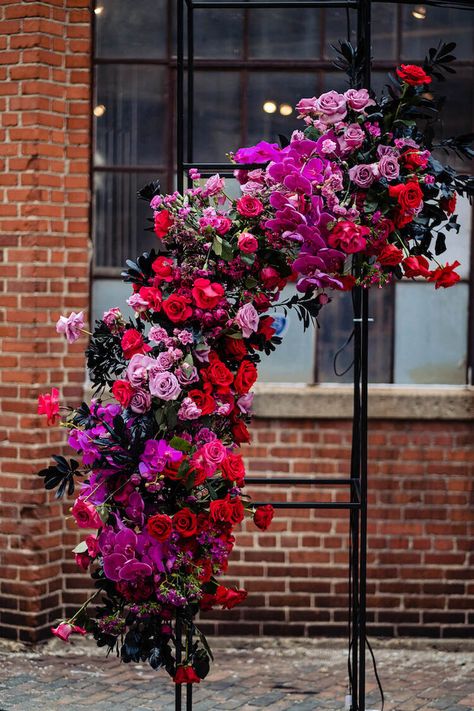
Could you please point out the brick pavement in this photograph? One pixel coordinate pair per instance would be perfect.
(250, 674)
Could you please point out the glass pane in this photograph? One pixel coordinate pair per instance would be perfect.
(424, 26)
(278, 34)
(341, 24)
(218, 33)
(458, 115)
(216, 115)
(107, 293)
(130, 114)
(272, 97)
(384, 31)
(120, 218)
(125, 29)
(459, 246)
(293, 360)
(336, 326)
(431, 334)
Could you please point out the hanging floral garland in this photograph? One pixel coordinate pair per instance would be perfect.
(354, 199)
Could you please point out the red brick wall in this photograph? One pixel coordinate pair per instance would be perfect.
(44, 236)
(420, 532)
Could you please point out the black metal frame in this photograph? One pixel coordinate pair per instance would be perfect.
(357, 482)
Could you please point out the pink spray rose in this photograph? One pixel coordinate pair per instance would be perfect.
(247, 318)
(71, 326)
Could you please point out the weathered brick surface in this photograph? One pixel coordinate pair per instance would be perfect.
(44, 227)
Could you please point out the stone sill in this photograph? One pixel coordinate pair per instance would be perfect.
(276, 400)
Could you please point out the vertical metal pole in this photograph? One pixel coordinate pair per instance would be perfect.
(179, 652)
(190, 90)
(189, 687)
(179, 93)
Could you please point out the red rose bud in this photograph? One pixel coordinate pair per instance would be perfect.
(390, 256)
(48, 404)
(163, 223)
(185, 675)
(229, 598)
(413, 75)
(416, 266)
(445, 276)
(448, 204)
(263, 516)
(245, 377)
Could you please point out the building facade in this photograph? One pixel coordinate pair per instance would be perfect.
(87, 100)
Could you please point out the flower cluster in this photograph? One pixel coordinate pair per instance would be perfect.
(350, 200)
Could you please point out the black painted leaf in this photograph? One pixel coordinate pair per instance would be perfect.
(201, 664)
(440, 245)
(149, 190)
(155, 659)
(61, 475)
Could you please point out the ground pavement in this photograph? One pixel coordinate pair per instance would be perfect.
(249, 674)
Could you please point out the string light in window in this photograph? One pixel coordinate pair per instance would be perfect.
(99, 10)
(419, 12)
(269, 107)
(286, 109)
(99, 110)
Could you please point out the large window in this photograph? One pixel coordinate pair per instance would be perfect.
(251, 67)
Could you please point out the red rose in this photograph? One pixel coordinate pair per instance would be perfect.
(249, 206)
(82, 560)
(448, 204)
(207, 601)
(445, 276)
(265, 327)
(185, 675)
(237, 510)
(233, 468)
(271, 279)
(185, 523)
(163, 222)
(413, 75)
(348, 282)
(416, 266)
(221, 510)
(240, 432)
(177, 308)
(348, 236)
(217, 373)
(203, 400)
(245, 377)
(409, 195)
(207, 295)
(229, 598)
(263, 516)
(122, 392)
(247, 243)
(152, 296)
(413, 159)
(171, 470)
(159, 526)
(163, 268)
(402, 219)
(223, 225)
(235, 347)
(390, 256)
(132, 342)
(262, 302)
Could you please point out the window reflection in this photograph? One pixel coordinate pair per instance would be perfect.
(124, 29)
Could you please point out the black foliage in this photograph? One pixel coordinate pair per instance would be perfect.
(131, 648)
(201, 663)
(351, 60)
(140, 272)
(149, 190)
(307, 309)
(60, 475)
(460, 145)
(83, 418)
(284, 141)
(104, 355)
(437, 60)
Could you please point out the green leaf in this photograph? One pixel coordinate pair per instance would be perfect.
(217, 245)
(80, 548)
(182, 445)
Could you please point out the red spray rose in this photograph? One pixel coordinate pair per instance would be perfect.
(449, 204)
(413, 75)
(185, 522)
(152, 296)
(132, 342)
(163, 223)
(203, 400)
(217, 373)
(185, 675)
(122, 392)
(348, 236)
(416, 266)
(163, 268)
(65, 629)
(233, 468)
(177, 308)
(249, 206)
(445, 276)
(245, 377)
(206, 294)
(235, 347)
(266, 328)
(223, 225)
(247, 243)
(159, 526)
(409, 195)
(240, 432)
(390, 256)
(229, 598)
(263, 516)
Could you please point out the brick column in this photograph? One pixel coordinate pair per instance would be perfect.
(44, 233)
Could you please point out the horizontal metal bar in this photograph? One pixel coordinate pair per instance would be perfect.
(299, 482)
(307, 504)
(249, 4)
(225, 166)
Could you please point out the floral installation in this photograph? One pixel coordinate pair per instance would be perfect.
(353, 199)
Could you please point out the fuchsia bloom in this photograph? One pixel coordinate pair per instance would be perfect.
(71, 326)
(48, 404)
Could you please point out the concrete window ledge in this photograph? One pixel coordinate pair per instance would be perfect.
(385, 402)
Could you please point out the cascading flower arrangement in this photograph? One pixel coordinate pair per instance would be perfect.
(354, 199)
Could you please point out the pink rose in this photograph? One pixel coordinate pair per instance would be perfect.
(206, 294)
(353, 137)
(332, 107)
(213, 185)
(137, 369)
(85, 514)
(358, 99)
(71, 326)
(65, 629)
(212, 454)
(247, 318)
(349, 237)
(362, 175)
(389, 167)
(140, 402)
(164, 385)
(247, 243)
